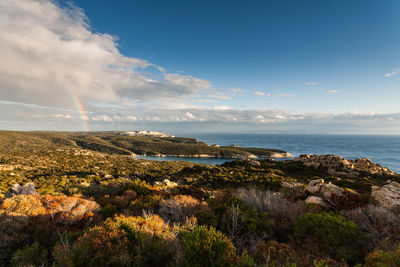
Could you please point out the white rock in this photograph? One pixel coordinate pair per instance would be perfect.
(314, 186)
(29, 189)
(387, 195)
(317, 201)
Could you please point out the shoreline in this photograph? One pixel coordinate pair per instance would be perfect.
(274, 155)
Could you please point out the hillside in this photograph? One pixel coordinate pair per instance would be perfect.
(108, 142)
(82, 200)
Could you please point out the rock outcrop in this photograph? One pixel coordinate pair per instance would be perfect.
(322, 193)
(17, 189)
(387, 195)
(337, 165)
(281, 155)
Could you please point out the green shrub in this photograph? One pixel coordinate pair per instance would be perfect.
(241, 222)
(331, 234)
(109, 210)
(206, 218)
(34, 255)
(205, 246)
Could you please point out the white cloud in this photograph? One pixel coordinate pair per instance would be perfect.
(205, 100)
(222, 107)
(104, 118)
(332, 91)
(189, 115)
(258, 93)
(219, 95)
(390, 74)
(314, 85)
(131, 118)
(63, 116)
(50, 55)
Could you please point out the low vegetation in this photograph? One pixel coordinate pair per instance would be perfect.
(98, 206)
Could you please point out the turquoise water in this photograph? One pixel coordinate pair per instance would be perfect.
(381, 149)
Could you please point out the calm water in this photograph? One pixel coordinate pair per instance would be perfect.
(384, 150)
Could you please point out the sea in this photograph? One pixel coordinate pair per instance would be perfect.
(381, 149)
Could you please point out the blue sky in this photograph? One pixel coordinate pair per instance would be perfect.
(285, 66)
(269, 46)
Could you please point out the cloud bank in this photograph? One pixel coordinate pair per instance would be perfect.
(50, 55)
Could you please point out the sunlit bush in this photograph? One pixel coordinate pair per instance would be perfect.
(124, 241)
(179, 207)
(381, 258)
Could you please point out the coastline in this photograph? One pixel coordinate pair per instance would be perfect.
(251, 156)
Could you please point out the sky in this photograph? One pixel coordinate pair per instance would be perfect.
(284, 66)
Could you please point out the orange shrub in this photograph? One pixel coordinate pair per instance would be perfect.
(380, 258)
(123, 241)
(124, 200)
(178, 208)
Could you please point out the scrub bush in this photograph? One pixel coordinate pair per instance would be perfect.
(331, 234)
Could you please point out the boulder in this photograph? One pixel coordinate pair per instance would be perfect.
(14, 190)
(328, 190)
(314, 186)
(388, 195)
(317, 201)
(29, 189)
(17, 189)
(319, 188)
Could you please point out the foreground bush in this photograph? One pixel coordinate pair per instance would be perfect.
(123, 241)
(273, 253)
(241, 223)
(381, 226)
(180, 207)
(380, 258)
(33, 255)
(331, 234)
(205, 246)
(26, 219)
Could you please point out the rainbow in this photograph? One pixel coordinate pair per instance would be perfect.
(82, 112)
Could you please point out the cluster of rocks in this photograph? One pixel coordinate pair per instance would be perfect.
(322, 193)
(166, 183)
(387, 195)
(337, 165)
(17, 189)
